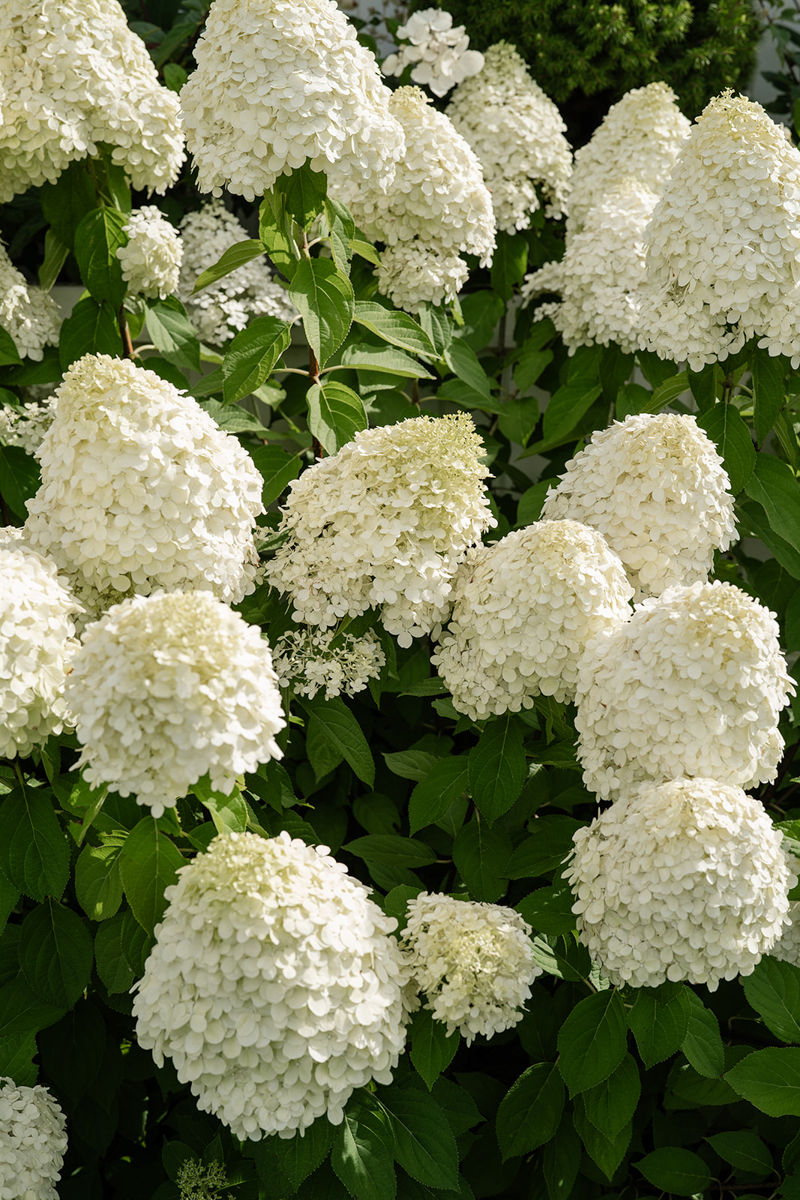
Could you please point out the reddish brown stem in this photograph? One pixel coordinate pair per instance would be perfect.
(313, 375)
(125, 334)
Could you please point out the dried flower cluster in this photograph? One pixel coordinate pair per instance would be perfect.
(274, 985)
(27, 313)
(438, 49)
(151, 260)
(33, 1142)
(308, 660)
(524, 609)
(384, 523)
(680, 880)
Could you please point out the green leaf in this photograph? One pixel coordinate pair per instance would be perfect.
(55, 255)
(549, 909)
(9, 355)
(432, 797)
(233, 258)
(173, 333)
(341, 231)
(335, 722)
(463, 362)
(424, 1144)
(774, 486)
(753, 520)
(16, 1059)
(610, 1105)
(251, 356)
(396, 328)
(675, 1170)
(230, 417)
(592, 1041)
(97, 238)
(571, 402)
(530, 1113)
(175, 77)
(109, 951)
(432, 1048)
(411, 764)
(65, 203)
(497, 767)
(731, 436)
(72, 1051)
(98, 886)
(55, 953)
(545, 849)
(19, 478)
(304, 192)
(659, 1021)
(607, 1153)
(276, 468)
(275, 230)
(301, 1156)
(481, 855)
(768, 391)
(22, 1011)
(773, 990)
(770, 1080)
(335, 414)
(323, 295)
(743, 1150)
(703, 385)
(148, 863)
(365, 250)
(34, 852)
(531, 363)
(362, 1154)
(229, 813)
(703, 1044)
(561, 1160)
(91, 328)
(667, 391)
(9, 896)
(392, 849)
(366, 355)
(509, 263)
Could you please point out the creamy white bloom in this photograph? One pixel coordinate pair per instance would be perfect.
(692, 685)
(33, 1142)
(26, 425)
(36, 645)
(73, 75)
(640, 138)
(683, 880)
(438, 49)
(438, 201)
(141, 489)
(27, 313)
(151, 259)
(306, 661)
(723, 244)
(473, 962)
(656, 488)
(168, 688)
(523, 611)
(384, 523)
(518, 135)
(219, 312)
(413, 274)
(274, 985)
(279, 82)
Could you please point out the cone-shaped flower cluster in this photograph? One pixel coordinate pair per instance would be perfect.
(524, 609)
(151, 260)
(36, 645)
(384, 523)
(33, 1142)
(473, 962)
(438, 204)
(27, 313)
(168, 688)
(274, 985)
(681, 880)
(73, 75)
(308, 660)
(722, 247)
(438, 50)
(141, 489)
(693, 684)
(279, 82)
(518, 135)
(656, 489)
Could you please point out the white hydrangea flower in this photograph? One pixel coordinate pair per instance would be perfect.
(27, 313)
(472, 961)
(219, 312)
(279, 82)
(141, 489)
(524, 609)
(518, 135)
(306, 662)
(722, 247)
(684, 880)
(438, 200)
(36, 645)
(168, 688)
(640, 137)
(692, 685)
(26, 426)
(73, 75)
(33, 1142)
(413, 274)
(151, 259)
(548, 278)
(274, 985)
(656, 488)
(438, 49)
(384, 523)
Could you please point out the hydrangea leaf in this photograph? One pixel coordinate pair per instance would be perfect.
(610, 1105)
(703, 1043)
(55, 953)
(727, 430)
(497, 767)
(149, 863)
(323, 295)
(363, 1153)
(233, 258)
(773, 990)
(91, 328)
(592, 1041)
(432, 1048)
(97, 238)
(252, 355)
(34, 852)
(98, 886)
(608, 1153)
(675, 1170)
(530, 1113)
(770, 1080)
(447, 779)
(481, 855)
(424, 1145)
(659, 1020)
(173, 333)
(343, 731)
(335, 414)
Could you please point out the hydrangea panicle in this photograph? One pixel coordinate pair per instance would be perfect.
(28, 314)
(151, 259)
(438, 49)
(308, 660)
(33, 1142)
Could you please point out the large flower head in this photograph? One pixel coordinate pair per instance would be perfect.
(384, 523)
(279, 82)
(656, 489)
(438, 200)
(722, 247)
(27, 313)
(36, 644)
(33, 1142)
(73, 75)
(168, 688)
(473, 962)
(518, 135)
(274, 985)
(438, 49)
(681, 880)
(141, 489)
(524, 609)
(693, 684)
(151, 258)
